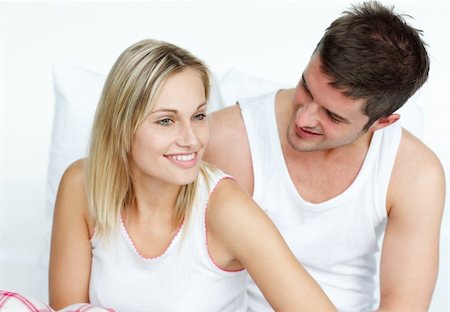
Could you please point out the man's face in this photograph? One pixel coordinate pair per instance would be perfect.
(323, 118)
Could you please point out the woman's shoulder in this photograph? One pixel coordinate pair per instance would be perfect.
(228, 199)
(72, 183)
(76, 169)
(71, 196)
(220, 183)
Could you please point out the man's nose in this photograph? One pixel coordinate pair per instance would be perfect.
(307, 115)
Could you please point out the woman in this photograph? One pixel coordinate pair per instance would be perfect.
(143, 224)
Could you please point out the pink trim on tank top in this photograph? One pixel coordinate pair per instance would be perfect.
(137, 251)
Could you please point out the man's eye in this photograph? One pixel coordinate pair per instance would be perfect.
(333, 118)
(165, 122)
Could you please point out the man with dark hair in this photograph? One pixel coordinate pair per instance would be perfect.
(330, 165)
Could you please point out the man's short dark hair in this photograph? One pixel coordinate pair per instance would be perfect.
(371, 52)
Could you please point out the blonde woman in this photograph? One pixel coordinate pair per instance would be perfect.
(143, 224)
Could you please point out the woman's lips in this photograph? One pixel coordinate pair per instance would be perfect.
(185, 160)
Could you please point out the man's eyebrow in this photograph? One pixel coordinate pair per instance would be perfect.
(338, 117)
(331, 113)
(168, 110)
(305, 85)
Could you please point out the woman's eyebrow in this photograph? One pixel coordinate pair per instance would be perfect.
(169, 110)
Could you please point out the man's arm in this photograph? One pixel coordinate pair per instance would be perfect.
(410, 254)
(228, 147)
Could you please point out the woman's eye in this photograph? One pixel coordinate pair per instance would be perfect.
(200, 116)
(165, 122)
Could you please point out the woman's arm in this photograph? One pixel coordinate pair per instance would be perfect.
(239, 230)
(70, 255)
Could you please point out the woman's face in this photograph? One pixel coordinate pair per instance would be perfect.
(169, 144)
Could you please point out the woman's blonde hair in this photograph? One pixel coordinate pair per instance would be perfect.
(128, 96)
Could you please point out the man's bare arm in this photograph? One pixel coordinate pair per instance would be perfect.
(410, 255)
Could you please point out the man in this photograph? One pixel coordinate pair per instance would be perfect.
(328, 162)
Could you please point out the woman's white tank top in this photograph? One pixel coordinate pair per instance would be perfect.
(183, 278)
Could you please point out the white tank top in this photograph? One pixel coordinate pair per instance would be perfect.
(336, 240)
(183, 278)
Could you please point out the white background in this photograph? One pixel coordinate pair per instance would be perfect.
(271, 40)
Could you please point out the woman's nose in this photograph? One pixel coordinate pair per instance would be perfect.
(187, 136)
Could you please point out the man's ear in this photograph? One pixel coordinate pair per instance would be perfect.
(384, 122)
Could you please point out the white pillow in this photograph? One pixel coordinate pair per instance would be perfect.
(236, 84)
(77, 92)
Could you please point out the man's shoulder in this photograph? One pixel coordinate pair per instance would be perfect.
(226, 127)
(226, 115)
(413, 153)
(228, 147)
(417, 170)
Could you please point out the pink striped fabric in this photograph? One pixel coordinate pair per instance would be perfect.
(14, 302)
(85, 307)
